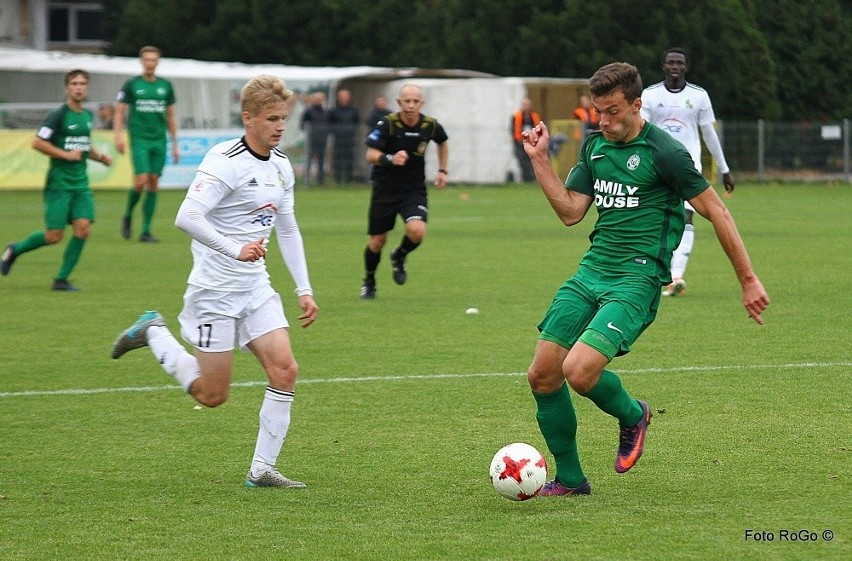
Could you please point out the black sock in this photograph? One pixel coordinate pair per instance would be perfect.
(371, 263)
(406, 247)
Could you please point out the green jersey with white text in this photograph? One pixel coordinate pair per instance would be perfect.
(147, 102)
(69, 130)
(638, 188)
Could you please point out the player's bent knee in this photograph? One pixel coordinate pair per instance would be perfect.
(82, 232)
(212, 399)
(415, 230)
(53, 236)
(209, 394)
(542, 382)
(581, 381)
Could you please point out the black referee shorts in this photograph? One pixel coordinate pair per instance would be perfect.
(385, 206)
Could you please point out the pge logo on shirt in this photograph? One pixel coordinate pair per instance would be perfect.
(673, 126)
(264, 220)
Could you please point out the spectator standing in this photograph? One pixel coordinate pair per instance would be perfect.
(343, 124)
(106, 116)
(379, 111)
(315, 124)
(587, 116)
(523, 120)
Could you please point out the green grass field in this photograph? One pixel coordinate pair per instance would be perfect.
(402, 401)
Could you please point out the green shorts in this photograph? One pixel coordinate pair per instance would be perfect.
(62, 207)
(149, 156)
(606, 311)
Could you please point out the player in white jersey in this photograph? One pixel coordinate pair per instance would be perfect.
(682, 109)
(242, 191)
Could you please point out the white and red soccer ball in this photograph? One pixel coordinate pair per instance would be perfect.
(518, 471)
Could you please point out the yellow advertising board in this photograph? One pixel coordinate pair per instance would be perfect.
(565, 139)
(21, 167)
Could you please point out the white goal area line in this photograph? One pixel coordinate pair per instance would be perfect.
(415, 377)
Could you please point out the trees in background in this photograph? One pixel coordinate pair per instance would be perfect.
(811, 46)
(771, 59)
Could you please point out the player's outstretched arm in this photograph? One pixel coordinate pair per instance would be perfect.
(710, 206)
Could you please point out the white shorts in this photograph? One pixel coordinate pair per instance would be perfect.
(214, 321)
(688, 206)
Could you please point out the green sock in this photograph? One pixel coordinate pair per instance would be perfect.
(31, 242)
(611, 397)
(70, 257)
(133, 197)
(148, 208)
(558, 423)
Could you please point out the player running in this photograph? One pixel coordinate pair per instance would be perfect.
(243, 189)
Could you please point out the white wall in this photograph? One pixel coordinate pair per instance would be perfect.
(475, 112)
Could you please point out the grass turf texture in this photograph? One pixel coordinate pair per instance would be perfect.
(402, 401)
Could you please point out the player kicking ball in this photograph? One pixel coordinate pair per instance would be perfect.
(637, 177)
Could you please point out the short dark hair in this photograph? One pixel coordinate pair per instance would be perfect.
(616, 76)
(71, 74)
(677, 50)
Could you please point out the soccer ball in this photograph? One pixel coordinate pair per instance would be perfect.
(518, 471)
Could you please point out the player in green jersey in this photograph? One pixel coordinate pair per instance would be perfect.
(637, 177)
(149, 102)
(65, 136)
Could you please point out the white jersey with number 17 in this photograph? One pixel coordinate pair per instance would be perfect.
(244, 193)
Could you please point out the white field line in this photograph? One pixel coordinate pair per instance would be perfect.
(349, 380)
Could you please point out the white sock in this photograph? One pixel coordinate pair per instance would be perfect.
(172, 356)
(681, 255)
(274, 424)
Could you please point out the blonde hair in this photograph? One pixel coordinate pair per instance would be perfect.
(261, 91)
(150, 49)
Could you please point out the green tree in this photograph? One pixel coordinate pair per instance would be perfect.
(766, 59)
(717, 34)
(811, 44)
(730, 58)
(179, 28)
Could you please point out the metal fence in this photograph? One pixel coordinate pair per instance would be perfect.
(773, 150)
